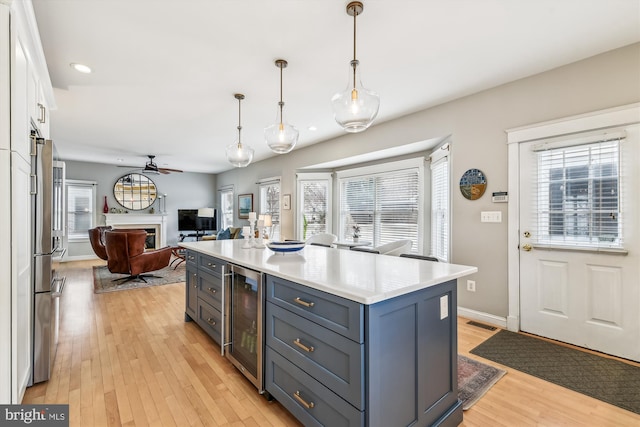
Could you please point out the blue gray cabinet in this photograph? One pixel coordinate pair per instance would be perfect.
(203, 299)
(332, 361)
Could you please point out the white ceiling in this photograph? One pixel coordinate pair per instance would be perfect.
(165, 72)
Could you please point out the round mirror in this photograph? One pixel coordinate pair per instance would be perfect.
(472, 184)
(135, 191)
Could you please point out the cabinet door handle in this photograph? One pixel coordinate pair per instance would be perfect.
(211, 265)
(304, 303)
(211, 321)
(308, 405)
(43, 114)
(308, 349)
(213, 291)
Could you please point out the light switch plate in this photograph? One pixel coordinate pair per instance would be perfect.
(490, 216)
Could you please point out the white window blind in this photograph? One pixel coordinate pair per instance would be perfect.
(270, 205)
(314, 207)
(81, 202)
(226, 208)
(440, 208)
(577, 195)
(386, 206)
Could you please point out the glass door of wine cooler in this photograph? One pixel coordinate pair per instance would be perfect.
(244, 326)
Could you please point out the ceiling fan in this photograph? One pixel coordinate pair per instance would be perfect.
(152, 168)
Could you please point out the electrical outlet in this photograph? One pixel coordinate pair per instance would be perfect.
(471, 285)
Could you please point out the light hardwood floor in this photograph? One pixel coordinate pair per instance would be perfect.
(128, 359)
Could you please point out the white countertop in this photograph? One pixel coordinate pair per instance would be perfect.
(361, 277)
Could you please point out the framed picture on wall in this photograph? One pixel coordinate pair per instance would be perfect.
(245, 205)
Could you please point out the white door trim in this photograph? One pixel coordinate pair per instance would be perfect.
(602, 119)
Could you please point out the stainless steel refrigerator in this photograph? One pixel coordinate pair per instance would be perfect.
(47, 191)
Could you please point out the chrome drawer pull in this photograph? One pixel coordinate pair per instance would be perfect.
(213, 291)
(302, 346)
(308, 405)
(302, 302)
(211, 321)
(211, 265)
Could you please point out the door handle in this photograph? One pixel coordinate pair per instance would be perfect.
(527, 247)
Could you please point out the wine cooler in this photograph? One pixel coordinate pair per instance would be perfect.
(243, 329)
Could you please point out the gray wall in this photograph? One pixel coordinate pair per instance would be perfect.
(184, 191)
(477, 125)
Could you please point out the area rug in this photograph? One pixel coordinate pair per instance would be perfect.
(103, 279)
(605, 379)
(475, 379)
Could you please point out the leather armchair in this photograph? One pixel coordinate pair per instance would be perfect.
(96, 237)
(126, 254)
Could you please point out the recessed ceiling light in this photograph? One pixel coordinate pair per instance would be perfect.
(80, 67)
(312, 128)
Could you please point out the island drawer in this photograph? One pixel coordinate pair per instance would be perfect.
(210, 264)
(335, 361)
(209, 319)
(191, 257)
(307, 399)
(335, 313)
(210, 289)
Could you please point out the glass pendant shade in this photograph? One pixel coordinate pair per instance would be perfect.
(239, 155)
(281, 137)
(357, 107)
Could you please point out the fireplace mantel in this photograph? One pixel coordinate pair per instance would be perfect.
(159, 222)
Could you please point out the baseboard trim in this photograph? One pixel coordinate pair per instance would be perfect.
(480, 316)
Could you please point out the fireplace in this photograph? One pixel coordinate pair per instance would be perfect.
(150, 242)
(154, 225)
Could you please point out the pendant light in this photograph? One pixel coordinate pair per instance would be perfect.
(237, 154)
(356, 107)
(281, 137)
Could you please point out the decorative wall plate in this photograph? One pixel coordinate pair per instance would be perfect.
(473, 184)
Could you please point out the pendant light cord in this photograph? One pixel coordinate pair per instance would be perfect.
(239, 123)
(355, 61)
(281, 104)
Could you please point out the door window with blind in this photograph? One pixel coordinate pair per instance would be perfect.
(384, 202)
(81, 202)
(440, 211)
(577, 194)
(314, 204)
(270, 205)
(226, 208)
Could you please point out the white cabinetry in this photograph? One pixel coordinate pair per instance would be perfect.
(24, 81)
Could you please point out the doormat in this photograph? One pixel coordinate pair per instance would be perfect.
(474, 380)
(103, 279)
(605, 379)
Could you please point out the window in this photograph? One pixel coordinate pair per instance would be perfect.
(314, 204)
(270, 204)
(226, 207)
(81, 202)
(577, 195)
(440, 203)
(384, 201)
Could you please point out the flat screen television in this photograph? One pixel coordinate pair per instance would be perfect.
(188, 220)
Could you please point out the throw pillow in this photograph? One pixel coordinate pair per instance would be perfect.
(223, 234)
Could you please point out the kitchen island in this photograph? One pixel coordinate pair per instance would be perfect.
(351, 338)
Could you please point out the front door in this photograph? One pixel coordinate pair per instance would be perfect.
(580, 240)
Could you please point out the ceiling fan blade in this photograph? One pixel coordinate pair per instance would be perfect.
(168, 170)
